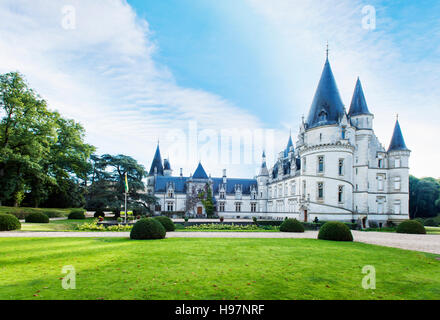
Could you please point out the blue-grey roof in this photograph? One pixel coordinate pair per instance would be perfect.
(200, 173)
(397, 141)
(166, 164)
(289, 144)
(179, 183)
(157, 163)
(358, 104)
(327, 107)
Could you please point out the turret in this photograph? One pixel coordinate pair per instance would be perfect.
(359, 114)
(167, 171)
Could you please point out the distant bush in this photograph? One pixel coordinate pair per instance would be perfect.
(173, 213)
(23, 212)
(9, 222)
(269, 222)
(147, 228)
(99, 213)
(411, 227)
(167, 223)
(37, 217)
(431, 222)
(420, 220)
(116, 213)
(336, 231)
(291, 225)
(76, 214)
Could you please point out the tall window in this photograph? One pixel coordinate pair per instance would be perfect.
(170, 206)
(221, 207)
(238, 207)
(340, 194)
(304, 188)
(170, 193)
(343, 133)
(293, 188)
(397, 207)
(222, 195)
(321, 164)
(341, 167)
(380, 182)
(397, 163)
(380, 163)
(304, 164)
(397, 183)
(380, 205)
(253, 207)
(320, 190)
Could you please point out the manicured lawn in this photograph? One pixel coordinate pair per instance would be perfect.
(54, 225)
(432, 230)
(30, 268)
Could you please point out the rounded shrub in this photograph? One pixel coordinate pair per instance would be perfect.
(167, 223)
(411, 226)
(9, 222)
(76, 214)
(147, 228)
(336, 231)
(37, 217)
(291, 225)
(99, 213)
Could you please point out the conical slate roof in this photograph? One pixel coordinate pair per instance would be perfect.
(166, 164)
(263, 170)
(157, 163)
(289, 144)
(200, 173)
(327, 106)
(358, 104)
(397, 141)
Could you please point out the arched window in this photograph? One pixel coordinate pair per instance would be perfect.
(322, 116)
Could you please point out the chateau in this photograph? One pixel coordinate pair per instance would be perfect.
(337, 170)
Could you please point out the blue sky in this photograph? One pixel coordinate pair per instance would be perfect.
(133, 72)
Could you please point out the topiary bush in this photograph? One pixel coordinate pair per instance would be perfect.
(147, 228)
(291, 225)
(37, 217)
(167, 223)
(77, 214)
(99, 213)
(335, 231)
(411, 226)
(9, 222)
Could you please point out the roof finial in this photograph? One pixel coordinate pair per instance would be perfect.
(397, 116)
(327, 50)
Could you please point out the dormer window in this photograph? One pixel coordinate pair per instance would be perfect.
(322, 116)
(222, 194)
(170, 194)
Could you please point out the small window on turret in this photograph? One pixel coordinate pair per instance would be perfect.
(397, 163)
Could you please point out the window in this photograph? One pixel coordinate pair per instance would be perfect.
(157, 207)
(221, 207)
(340, 194)
(304, 164)
(356, 171)
(380, 163)
(170, 206)
(304, 188)
(320, 137)
(222, 195)
(253, 207)
(253, 195)
(280, 190)
(397, 207)
(170, 193)
(380, 182)
(397, 183)
(380, 205)
(341, 167)
(397, 163)
(343, 133)
(238, 207)
(321, 164)
(293, 189)
(320, 190)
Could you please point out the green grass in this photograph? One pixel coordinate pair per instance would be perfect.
(54, 225)
(30, 268)
(432, 230)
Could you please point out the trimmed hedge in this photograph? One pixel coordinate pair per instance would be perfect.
(147, 228)
(9, 222)
(37, 217)
(167, 223)
(291, 225)
(411, 227)
(76, 214)
(335, 231)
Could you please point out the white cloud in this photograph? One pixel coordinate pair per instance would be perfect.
(103, 74)
(392, 83)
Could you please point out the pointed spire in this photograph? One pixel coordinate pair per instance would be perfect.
(200, 173)
(157, 162)
(397, 141)
(263, 169)
(289, 145)
(358, 104)
(327, 107)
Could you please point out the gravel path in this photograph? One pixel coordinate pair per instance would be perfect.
(425, 243)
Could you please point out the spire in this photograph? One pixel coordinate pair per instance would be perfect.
(263, 170)
(358, 104)
(327, 106)
(200, 173)
(397, 141)
(157, 162)
(289, 145)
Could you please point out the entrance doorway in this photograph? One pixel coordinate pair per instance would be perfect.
(199, 211)
(305, 215)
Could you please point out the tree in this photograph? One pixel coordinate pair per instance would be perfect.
(192, 198)
(206, 199)
(424, 197)
(42, 155)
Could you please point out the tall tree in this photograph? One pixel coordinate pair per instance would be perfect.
(424, 197)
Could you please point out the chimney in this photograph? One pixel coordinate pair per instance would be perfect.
(224, 175)
(181, 172)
